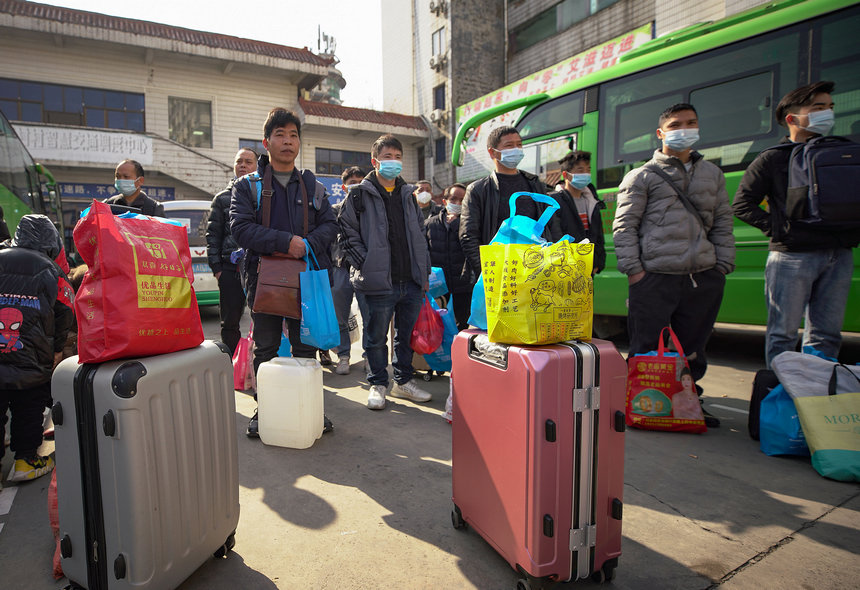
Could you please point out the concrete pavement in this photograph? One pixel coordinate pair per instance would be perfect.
(369, 505)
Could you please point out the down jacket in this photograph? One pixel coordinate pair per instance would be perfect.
(219, 240)
(654, 232)
(35, 304)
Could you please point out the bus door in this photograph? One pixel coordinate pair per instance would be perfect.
(541, 158)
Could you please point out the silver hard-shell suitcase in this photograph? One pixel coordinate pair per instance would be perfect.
(147, 467)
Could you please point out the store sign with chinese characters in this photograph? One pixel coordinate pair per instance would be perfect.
(68, 144)
(477, 162)
(88, 191)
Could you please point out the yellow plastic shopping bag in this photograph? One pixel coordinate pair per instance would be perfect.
(538, 294)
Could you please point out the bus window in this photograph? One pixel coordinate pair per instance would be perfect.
(556, 115)
(541, 159)
(750, 69)
(838, 62)
(16, 168)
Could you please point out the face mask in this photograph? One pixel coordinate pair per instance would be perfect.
(424, 197)
(681, 139)
(512, 157)
(454, 208)
(820, 122)
(125, 186)
(579, 181)
(390, 169)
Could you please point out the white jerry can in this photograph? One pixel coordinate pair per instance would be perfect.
(290, 402)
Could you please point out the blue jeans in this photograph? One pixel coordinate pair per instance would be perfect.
(341, 293)
(404, 302)
(810, 286)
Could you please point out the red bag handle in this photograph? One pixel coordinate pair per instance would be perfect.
(661, 348)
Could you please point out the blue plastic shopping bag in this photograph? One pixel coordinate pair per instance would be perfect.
(319, 326)
(440, 359)
(516, 229)
(780, 432)
(438, 286)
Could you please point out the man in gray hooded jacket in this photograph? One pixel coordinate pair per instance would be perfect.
(383, 240)
(676, 255)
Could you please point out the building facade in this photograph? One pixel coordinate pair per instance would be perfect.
(85, 91)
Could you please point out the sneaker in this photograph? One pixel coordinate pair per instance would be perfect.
(376, 397)
(325, 358)
(711, 421)
(327, 425)
(253, 430)
(342, 367)
(27, 469)
(411, 391)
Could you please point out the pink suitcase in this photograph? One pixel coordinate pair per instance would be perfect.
(527, 474)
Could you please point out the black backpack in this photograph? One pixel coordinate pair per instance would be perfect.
(824, 184)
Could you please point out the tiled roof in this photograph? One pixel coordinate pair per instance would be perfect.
(142, 27)
(333, 111)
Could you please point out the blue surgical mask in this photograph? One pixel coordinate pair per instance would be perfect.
(681, 139)
(580, 181)
(512, 157)
(820, 122)
(454, 208)
(125, 186)
(390, 169)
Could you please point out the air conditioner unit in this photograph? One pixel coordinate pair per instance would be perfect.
(438, 7)
(437, 62)
(437, 115)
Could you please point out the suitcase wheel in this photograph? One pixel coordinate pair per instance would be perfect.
(428, 375)
(604, 574)
(228, 545)
(457, 518)
(524, 584)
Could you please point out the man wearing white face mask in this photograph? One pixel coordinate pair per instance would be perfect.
(424, 196)
(486, 204)
(129, 179)
(808, 271)
(673, 240)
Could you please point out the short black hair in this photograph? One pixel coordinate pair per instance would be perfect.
(350, 172)
(570, 160)
(498, 133)
(138, 169)
(675, 108)
(385, 141)
(800, 97)
(424, 182)
(280, 117)
(447, 191)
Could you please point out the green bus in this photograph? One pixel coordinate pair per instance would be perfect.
(25, 186)
(734, 72)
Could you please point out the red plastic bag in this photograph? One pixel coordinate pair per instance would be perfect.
(428, 331)
(54, 518)
(661, 394)
(136, 298)
(243, 363)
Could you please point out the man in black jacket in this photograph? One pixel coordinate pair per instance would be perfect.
(808, 271)
(129, 179)
(579, 205)
(281, 138)
(486, 204)
(220, 247)
(443, 241)
(35, 316)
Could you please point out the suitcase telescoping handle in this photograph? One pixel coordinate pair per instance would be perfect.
(490, 353)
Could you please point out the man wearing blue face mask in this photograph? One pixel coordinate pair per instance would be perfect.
(673, 240)
(486, 204)
(579, 212)
(808, 270)
(383, 240)
(129, 179)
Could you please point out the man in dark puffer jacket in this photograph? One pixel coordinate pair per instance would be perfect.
(220, 245)
(35, 317)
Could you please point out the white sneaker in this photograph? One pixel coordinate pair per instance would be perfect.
(411, 391)
(376, 397)
(342, 367)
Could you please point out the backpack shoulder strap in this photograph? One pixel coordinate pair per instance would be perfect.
(682, 195)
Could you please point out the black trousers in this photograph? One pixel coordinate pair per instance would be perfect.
(26, 427)
(232, 301)
(267, 338)
(687, 303)
(462, 305)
